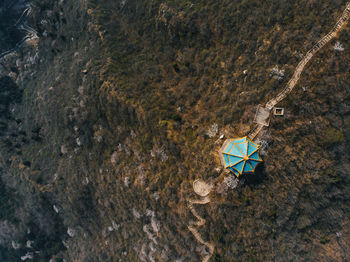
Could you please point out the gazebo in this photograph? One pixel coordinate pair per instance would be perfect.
(240, 155)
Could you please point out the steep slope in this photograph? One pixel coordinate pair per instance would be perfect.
(120, 107)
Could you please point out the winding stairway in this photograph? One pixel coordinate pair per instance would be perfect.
(256, 130)
(300, 67)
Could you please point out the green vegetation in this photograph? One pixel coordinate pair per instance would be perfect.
(324, 240)
(331, 136)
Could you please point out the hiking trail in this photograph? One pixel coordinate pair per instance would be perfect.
(205, 189)
(300, 67)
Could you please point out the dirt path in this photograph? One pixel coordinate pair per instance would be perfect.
(200, 222)
(300, 67)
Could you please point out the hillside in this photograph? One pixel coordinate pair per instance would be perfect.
(108, 119)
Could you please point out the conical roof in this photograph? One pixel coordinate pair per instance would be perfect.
(240, 155)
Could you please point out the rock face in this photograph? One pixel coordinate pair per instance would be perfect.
(121, 105)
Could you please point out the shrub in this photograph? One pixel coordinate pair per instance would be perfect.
(331, 136)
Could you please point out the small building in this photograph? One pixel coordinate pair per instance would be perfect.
(278, 111)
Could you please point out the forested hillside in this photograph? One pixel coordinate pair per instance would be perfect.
(108, 119)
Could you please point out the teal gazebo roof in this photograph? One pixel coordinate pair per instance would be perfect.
(240, 155)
